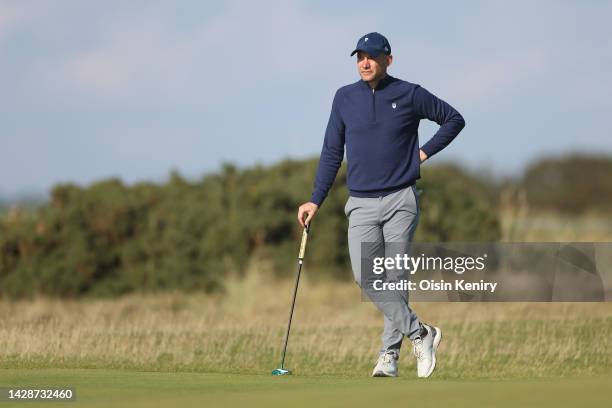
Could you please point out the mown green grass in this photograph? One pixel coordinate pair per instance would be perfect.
(120, 388)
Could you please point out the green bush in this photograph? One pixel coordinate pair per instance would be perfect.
(572, 184)
(455, 206)
(108, 238)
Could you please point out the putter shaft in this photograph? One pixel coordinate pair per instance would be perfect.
(297, 281)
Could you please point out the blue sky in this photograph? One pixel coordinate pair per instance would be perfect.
(93, 89)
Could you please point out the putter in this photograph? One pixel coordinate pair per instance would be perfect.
(282, 370)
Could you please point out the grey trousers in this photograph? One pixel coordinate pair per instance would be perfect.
(380, 221)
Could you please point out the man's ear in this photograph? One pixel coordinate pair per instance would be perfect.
(389, 59)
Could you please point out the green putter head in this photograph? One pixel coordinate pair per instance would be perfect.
(280, 371)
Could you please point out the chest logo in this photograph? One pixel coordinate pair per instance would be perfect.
(394, 105)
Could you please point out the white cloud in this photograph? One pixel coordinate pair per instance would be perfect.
(495, 53)
(144, 56)
(14, 16)
(8, 18)
(143, 59)
(484, 81)
(128, 57)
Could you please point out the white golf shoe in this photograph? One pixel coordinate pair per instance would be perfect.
(386, 366)
(425, 350)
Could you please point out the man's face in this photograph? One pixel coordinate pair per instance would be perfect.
(372, 68)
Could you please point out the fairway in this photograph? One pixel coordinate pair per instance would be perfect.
(102, 388)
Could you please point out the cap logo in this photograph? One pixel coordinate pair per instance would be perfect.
(386, 49)
(394, 105)
(366, 39)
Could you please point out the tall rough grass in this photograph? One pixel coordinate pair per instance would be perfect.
(521, 223)
(334, 333)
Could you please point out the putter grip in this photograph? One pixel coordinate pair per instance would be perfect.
(303, 245)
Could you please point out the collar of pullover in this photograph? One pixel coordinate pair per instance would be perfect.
(381, 84)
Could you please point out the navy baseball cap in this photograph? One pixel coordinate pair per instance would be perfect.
(374, 44)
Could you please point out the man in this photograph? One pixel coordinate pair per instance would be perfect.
(377, 119)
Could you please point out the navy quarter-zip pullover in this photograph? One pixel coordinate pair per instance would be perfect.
(379, 128)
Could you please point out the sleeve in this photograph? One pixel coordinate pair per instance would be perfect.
(332, 153)
(451, 122)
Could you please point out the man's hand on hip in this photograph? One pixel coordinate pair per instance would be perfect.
(310, 209)
(423, 155)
